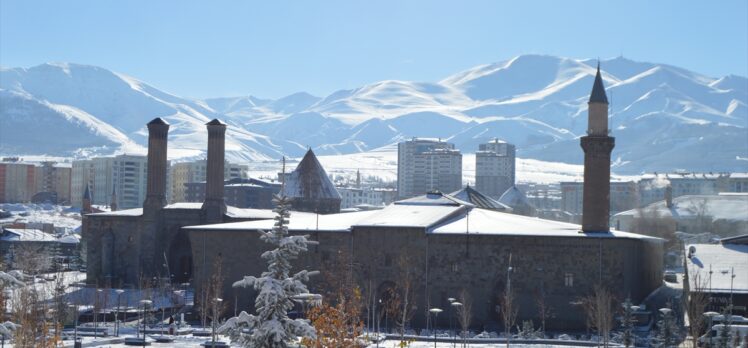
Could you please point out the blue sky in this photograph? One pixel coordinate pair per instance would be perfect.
(274, 48)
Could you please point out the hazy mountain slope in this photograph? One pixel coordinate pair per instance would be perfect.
(664, 117)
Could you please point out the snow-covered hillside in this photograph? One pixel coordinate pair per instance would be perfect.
(663, 117)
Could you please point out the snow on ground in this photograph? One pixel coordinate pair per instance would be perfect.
(60, 216)
(382, 163)
(394, 344)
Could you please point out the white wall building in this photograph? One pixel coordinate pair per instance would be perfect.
(424, 165)
(126, 174)
(494, 168)
(352, 196)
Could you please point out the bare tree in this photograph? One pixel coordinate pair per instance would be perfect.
(650, 222)
(401, 304)
(544, 309)
(508, 309)
(31, 258)
(599, 309)
(695, 300)
(465, 314)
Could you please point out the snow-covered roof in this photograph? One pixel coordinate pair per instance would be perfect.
(407, 215)
(248, 213)
(489, 222)
(513, 197)
(125, 212)
(473, 196)
(310, 181)
(720, 207)
(298, 221)
(437, 219)
(26, 235)
(70, 239)
(722, 260)
(185, 205)
(434, 198)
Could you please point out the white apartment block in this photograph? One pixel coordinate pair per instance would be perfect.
(424, 165)
(495, 168)
(125, 174)
(186, 172)
(352, 196)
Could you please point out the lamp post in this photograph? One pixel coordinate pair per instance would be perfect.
(216, 301)
(455, 307)
(95, 314)
(116, 316)
(435, 312)
(451, 327)
(711, 316)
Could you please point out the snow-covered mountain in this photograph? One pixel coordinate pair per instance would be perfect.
(663, 117)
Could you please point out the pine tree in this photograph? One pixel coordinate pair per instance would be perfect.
(667, 330)
(723, 338)
(271, 327)
(627, 322)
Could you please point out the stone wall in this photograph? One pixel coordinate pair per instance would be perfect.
(476, 263)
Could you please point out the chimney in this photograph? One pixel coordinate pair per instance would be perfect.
(597, 146)
(214, 206)
(155, 198)
(669, 196)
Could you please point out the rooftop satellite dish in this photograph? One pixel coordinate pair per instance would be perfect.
(691, 251)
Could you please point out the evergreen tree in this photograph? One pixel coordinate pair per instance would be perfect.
(627, 323)
(667, 330)
(271, 327)
(723, 337)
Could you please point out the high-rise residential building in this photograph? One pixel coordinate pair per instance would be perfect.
(624, 196)
(123, 174)
(17, 181)
(195, 172)
(425, 165)
(54, 178)
(494, 168)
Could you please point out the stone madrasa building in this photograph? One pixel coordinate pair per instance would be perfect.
(452, 244)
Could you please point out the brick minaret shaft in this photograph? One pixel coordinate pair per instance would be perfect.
(155, 198)
(597, 146)
(214, 206)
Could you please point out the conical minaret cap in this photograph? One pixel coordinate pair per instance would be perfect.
(598, 89)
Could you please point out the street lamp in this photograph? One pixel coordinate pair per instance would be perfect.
(116, 316)
(455, 305)
(451, 300)
(145, 304)
(436, 312)
(95, 310)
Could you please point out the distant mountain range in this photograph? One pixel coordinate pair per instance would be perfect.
(663, 117)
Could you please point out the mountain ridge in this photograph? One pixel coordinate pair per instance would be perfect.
(537, 102)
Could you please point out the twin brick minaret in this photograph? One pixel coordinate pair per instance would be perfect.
(214, 206)
(597, 146)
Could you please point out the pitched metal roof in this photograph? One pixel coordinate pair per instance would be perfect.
(471, 195)
(309, 181)
(598, 89)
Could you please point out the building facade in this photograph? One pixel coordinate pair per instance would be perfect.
(495, 168)
(17, 181)
(425, 165)
(124, 175)
(354, 196)
(195, 172)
